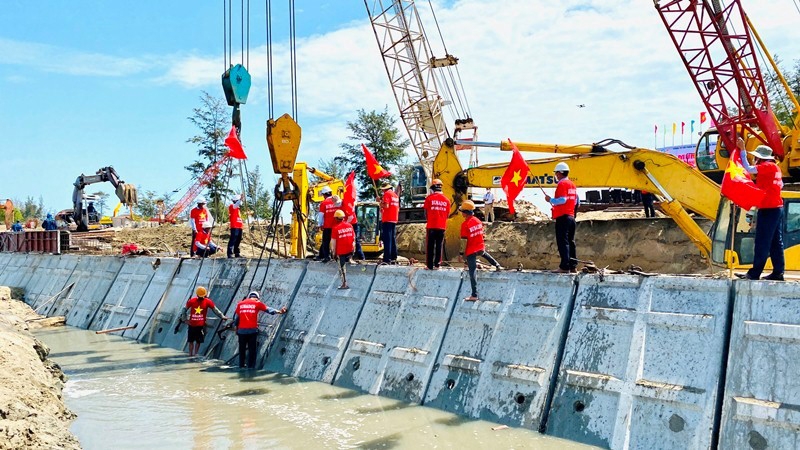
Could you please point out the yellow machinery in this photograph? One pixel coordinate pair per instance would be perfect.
(367, 213)
(682, 188)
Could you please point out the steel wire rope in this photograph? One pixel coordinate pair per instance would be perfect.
(293, 57)
(224, 36)
(268, 23)
(444, 46)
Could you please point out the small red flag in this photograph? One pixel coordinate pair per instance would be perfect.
(374, 170)
(349, 196)
(233, 143)
(683, 127)
(515, 176)
(655, 130)
(703, 117)
(737, 185)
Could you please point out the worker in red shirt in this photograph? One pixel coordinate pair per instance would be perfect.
(326, 210)
(343, 244)
(564, 204)
(197, 217)
(203, 245)
(769, 218)
(472, 231)
(390, 211)
(350, 217)
(246, 322)
(194, 315)
(236, 227)
(437, 209)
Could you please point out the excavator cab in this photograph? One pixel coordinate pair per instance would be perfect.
(419, 184)
(368, 215)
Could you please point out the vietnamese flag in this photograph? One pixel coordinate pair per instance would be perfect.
(737, 185)
(515, 176)
(349, 196)
(233, 143)
(374, 170)
(702, 117)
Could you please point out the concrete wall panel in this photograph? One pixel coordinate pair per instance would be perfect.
(397, 338)
(314, 335)
(277, 287)
(499, 353)
(124, 295)
(92, 279)
(642, 362)
(44, 289)
(168, 291)
(19, 268)
(762, 392)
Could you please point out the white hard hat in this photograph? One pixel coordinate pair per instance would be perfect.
(325, 190)
(201, 199)
(561, 167)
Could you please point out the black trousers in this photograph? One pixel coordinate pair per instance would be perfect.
(433, 251)
(647, 201)
(233, 243)
(325, 247)
(191, 245)
(248, 350)
(565, 239)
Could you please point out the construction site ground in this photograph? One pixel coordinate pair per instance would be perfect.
(617, 239)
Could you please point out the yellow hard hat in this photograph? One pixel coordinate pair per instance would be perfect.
(467, 206)
(201, 291)
(339, 214)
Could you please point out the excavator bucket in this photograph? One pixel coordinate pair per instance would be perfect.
(283, 140)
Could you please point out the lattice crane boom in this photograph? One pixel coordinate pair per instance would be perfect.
(716, 46)
(203, 180)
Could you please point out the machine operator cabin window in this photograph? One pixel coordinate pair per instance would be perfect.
(706, 154)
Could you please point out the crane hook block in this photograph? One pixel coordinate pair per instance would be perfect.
(283, 140)
(236, 84)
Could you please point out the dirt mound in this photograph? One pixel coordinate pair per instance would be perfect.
(526, 211)
(32, 412)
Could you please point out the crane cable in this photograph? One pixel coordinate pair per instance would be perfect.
(454, 74)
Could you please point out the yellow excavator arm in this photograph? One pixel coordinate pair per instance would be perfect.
(681, 187)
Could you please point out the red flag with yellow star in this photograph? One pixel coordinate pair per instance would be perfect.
(737, 185)
(515, 176)
(374, 170)
(349, 196)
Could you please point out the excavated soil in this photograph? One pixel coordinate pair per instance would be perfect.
(32, 411)
(654, 245)
(613, 239)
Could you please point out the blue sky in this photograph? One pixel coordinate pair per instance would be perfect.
(88, 83)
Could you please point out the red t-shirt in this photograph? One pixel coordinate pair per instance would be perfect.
(199, 216)
(565, 188)
(437, 208)
(203, 237)
(327, 208)
(390, 207)
(345, 238)
(770, 179)
(199, 306)
(247, 310)
(236, 219)
(472, 231)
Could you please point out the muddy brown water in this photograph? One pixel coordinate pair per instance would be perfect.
(130, 395)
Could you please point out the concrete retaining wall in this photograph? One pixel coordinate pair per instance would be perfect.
(617, 361)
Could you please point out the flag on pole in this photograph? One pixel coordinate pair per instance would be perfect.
(374, 170)
(515, 176)
(655, 131)
(683, 128)
(737, 185)
(703, 117)
(691, 127)
(235, 145)
(349, 195)
(674, 128)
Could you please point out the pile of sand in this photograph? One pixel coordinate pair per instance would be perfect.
(32, 412)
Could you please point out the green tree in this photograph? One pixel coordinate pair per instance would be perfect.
(404, 174)
(147, 203)
(30, 208)
(332, 168)
(212, 120)
(379, 133)
(102, 201)
(779, 99)
(258, 196)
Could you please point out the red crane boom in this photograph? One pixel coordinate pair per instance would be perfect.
(716, 47)
(204, 180)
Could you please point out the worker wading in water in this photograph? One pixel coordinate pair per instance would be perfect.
(246, 323)
(195, 317)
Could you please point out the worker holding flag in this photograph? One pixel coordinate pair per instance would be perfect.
(769, 231)
(564, 204)
(390, 207)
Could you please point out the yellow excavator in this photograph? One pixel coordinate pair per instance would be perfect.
(682, 188)
(367, 213)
